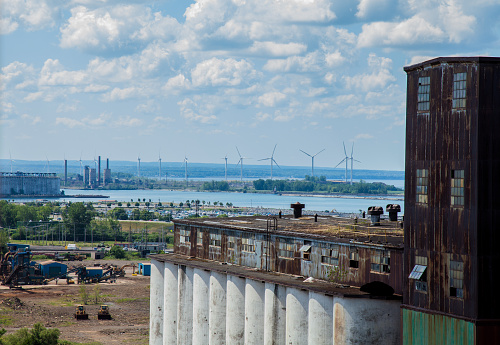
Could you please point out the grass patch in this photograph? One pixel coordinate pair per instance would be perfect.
(125, 300)
(5, 320)
(63, 302)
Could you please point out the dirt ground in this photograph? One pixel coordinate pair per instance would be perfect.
(54, 306)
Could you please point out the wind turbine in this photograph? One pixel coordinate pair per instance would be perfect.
(240, 162)
(271, 159)
(11, 161)
(352, 160)
(48, 164)
(186, 169)
(346, 160)
(312, 159)
(159, 166)
(81, 165)
(225, 167)
(139, 166)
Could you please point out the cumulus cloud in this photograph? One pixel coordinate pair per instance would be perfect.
(53, 73)
(30, 119)
(69, 122)
(177, 83)
(31, 14)
(411, 31)
(118, 94)
(380, 76)
(277, 49)
(190, 110)
(118, 28)
(218, 72)
(310, 62)
(17, 74)
(270, 99)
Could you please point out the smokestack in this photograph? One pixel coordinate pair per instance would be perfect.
(99, 171)
(107, 163)
(65, 172)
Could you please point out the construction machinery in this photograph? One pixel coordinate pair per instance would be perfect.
(103, 313)
(80, 313)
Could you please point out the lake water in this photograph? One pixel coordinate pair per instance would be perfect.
(343, 204)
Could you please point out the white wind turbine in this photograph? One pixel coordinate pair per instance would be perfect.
(352, 160)
(186, 169)
(271, 159)
(225, 167)
(11, 161)
(139, 166)
(312, 159)
(241, 163)
(159, 166)
(346, 160)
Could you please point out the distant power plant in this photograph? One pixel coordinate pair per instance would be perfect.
(92, 176)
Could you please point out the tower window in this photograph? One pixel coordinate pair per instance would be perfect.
(199, 238)
(422, 185)
(424, 90)
(456, 279)
(330, 256)
(457, 187)
(353, 258)
(459, 89)
(419, 273)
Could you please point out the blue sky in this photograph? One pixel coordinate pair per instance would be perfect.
(123, 79)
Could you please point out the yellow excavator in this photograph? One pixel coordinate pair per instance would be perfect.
(80, 313)
(103, 313)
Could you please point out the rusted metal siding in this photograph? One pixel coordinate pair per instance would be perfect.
(295, 265)
(422, 329)
(441, 142)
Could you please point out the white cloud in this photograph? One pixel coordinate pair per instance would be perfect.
(128, 121)
(270, 99)
(278, 49)
(17, 73)
(217, 72)
(96, 88)
(190, 110)
(379, 78)
(177, 83)
(308, 63)
(53, 73)
(33, 14)
(334, 59)
(369, 9)
(456, 23)
(32, 120)
(69, 122)
(118, 94)
(118, 27)
(415, 30)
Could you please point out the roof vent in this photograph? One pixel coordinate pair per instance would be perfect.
(393, 210)
(297, 209)
(375, 212)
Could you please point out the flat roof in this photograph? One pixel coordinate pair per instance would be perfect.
(329, 228)
(299, 282)
(452, 59)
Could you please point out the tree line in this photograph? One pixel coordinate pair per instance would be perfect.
(319, 184)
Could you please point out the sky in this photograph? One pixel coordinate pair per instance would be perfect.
(196, 79)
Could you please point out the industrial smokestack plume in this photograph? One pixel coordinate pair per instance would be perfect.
(99, 171)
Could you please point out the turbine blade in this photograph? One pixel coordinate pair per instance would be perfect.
(276, 163)
(239, 154)
(305, 153)
(342, 161)
(319, 152)
(352, 149)
(274, 150)
(345, 153)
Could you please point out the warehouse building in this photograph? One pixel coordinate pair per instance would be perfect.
(43, 184)
(276, 280)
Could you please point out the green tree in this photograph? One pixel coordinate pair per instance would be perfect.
(4, 239)
(78, 216)
(117, 252)
(38, 335)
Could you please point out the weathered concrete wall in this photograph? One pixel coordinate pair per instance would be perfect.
(30, 185)
(156, 303)
(217, 308)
